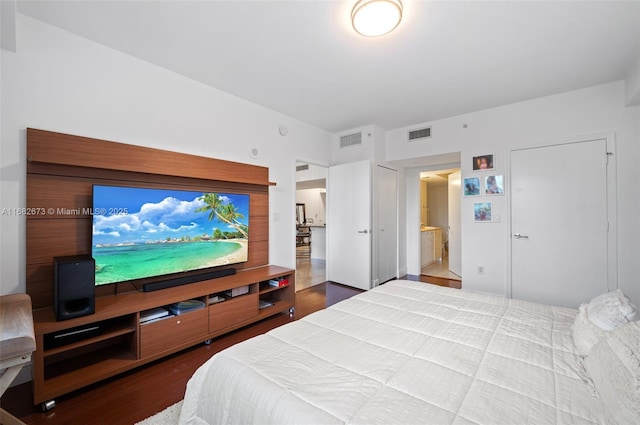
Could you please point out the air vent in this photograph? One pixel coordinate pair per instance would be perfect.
(422, 133)
(350, 140)
(302, 167)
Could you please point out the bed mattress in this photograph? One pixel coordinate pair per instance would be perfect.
(407, 353)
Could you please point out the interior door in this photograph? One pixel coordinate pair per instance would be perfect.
(386, 237)
(559, 222)
(349, 224)
(455, 220)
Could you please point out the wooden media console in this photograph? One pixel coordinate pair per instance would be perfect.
(71, 354)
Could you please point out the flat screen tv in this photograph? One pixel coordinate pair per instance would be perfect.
(141, 233)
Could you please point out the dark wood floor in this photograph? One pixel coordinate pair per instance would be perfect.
(136, 395)
(440, 281)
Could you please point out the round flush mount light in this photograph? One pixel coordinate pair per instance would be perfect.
(373, 18)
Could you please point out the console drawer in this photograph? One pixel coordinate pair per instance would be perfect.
(233, 311)
(173, 331)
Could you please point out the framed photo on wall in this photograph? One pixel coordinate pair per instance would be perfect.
(472, 186)
(482, 212)
(494, 185)
(483, 162)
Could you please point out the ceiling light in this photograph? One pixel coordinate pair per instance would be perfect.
(376, 17)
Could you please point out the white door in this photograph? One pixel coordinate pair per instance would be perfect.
(386, 236)
(559, 223)
(349, 224)
(455, 220)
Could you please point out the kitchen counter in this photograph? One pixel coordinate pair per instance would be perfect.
(318, 238)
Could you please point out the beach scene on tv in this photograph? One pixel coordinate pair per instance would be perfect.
(142, 232)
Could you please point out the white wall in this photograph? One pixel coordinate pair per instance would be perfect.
(632, 88)
(61, 82)
(437, 204)
(315, 201)
(315, 174)
(594, 110)
(366, 150)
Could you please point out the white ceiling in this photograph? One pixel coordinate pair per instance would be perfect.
(303, 59)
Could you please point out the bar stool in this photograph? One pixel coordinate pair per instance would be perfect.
(17, 343)
(303, 241)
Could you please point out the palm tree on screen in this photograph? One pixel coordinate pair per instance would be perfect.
(231, 215)
(226, 213)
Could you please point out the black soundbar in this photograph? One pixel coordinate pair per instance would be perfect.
(183, 280)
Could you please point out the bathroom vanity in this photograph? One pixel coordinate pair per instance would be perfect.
(430, 245)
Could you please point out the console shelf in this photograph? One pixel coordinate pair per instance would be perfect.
(276, 307)
(72, 354)
(87, 342)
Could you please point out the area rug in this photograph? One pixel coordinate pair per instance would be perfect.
(168, 416)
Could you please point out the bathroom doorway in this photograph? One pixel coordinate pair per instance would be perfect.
(438, 223)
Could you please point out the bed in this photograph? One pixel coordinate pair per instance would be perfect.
(409, 353)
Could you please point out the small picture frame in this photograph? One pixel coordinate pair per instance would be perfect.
(482, 212)
(483, 162)
(494, 185)
(472, 186)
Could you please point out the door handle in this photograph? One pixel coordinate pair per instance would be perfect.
(519, 236)
(365, 231)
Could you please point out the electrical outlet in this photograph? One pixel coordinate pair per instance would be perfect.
(480, 269)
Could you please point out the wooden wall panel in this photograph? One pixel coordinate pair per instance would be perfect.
(58, 196)
(259, 205)
(40, 284)
(65, 149)
(130, 178)
(258, 228)
(56, 237)
(258, 255)
(61, 172)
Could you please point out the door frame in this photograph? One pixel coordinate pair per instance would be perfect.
(612, 234)
(375, 216)
(293, 201)
(458, 237)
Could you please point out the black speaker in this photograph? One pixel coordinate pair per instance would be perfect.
(74, 286)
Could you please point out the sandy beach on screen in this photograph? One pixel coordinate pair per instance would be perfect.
(236, 256)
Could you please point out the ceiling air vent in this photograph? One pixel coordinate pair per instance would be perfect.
(302, 167)
(350, 140)
(422, 133)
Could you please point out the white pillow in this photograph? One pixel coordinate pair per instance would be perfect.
(585, 334)
(610, 310)
(613, 365)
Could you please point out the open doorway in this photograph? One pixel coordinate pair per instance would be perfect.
(311, 198)
(439, 223)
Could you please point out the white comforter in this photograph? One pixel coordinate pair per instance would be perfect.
(403, 353)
